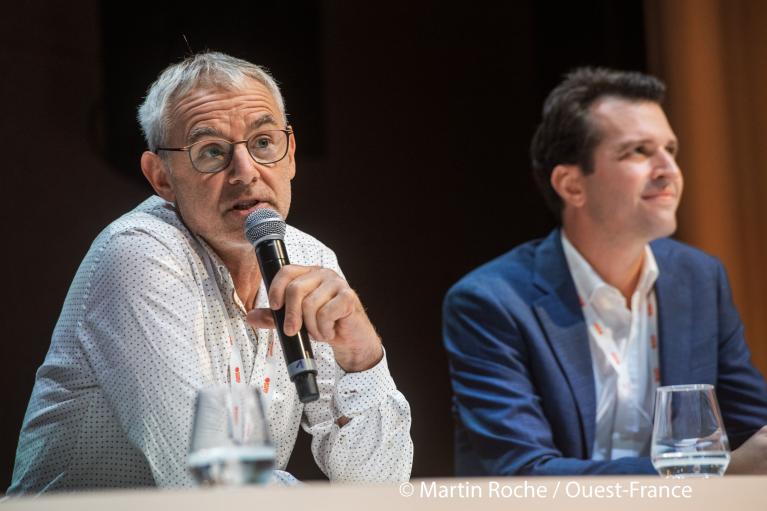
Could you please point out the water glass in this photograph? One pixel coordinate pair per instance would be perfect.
(688, 438)
(230, 443)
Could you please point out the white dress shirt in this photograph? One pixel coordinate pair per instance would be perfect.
(143, 328)
(624, 352)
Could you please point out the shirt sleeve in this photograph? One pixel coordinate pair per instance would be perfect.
(143, 325)
(375, 444)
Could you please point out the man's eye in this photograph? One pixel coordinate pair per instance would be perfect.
(643, 150)
(215, 151)
(262, 142)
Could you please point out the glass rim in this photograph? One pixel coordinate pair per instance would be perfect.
(685, 388)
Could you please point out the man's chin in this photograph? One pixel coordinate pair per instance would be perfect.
(234, 242)
(663, 229)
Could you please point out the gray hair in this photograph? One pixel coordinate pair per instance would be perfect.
(204, 69)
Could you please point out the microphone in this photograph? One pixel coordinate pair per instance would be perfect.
(265, 230)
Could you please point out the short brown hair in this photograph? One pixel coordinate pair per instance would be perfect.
(566, 134)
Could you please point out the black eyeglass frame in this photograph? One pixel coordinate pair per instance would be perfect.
(188, 150)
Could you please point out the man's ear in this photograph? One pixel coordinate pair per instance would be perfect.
(292, 154)
(158, 175)
(567, 181)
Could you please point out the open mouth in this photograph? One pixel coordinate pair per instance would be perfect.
(246, 205)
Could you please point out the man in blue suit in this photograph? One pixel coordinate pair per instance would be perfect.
(557, 347)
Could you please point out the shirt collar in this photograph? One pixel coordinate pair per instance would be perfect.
(588, 282)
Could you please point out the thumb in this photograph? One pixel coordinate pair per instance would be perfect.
(260, 318)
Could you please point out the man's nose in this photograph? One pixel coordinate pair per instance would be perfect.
(244, 169)
(665, 164)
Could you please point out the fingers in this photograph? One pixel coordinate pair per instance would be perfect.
(294, 295)
(314, 297)
(260, 318)
(283, 279)
(340, 306)
(322, 300)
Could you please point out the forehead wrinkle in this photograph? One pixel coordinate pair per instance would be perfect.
(199, 132)
(203, 106)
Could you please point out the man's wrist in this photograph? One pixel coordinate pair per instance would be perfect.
(362, 362)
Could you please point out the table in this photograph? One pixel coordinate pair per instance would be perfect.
(731, 493)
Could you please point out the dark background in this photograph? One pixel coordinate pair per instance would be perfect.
(412, 120)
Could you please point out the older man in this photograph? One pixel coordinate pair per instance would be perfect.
(148, 319)
(557, 347)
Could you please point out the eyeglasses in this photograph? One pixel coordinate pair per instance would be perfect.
(214, 155)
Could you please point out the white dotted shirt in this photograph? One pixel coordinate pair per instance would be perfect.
(142, 329)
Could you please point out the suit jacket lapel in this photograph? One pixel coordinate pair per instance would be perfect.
(674, 319)
(561, 317)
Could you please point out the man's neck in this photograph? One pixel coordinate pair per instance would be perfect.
(242, 264)
(618, 262)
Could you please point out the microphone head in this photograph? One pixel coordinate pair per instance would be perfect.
(264, 224)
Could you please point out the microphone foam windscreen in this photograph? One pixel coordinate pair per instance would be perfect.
(264, 224)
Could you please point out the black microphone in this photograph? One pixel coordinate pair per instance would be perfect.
(265, 230)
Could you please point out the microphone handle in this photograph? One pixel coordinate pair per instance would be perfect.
(297, 349)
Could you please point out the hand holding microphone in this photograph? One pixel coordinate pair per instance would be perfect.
(311, 300)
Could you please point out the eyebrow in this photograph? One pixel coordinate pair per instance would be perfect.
(637, 141)
(206, 131)
(263, 120)
(628, 143)
(203, 131)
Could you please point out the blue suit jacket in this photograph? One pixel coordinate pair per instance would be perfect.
(521, 367)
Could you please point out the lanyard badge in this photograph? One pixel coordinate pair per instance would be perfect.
(617, 357)
(267, 387)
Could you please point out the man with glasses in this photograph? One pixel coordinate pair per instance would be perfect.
(557, 347)
(169, 292)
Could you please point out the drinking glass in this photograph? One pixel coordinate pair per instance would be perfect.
(230, 437)
(688, 437)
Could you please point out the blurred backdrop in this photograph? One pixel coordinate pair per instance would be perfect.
(412, 120)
